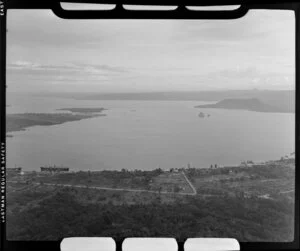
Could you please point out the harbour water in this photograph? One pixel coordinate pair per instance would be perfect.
(146, 135)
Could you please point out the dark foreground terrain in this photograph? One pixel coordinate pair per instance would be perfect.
(251, 203)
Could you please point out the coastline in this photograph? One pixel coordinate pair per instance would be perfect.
(22, 121)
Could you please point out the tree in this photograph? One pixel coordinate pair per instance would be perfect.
(176, 189)
(159, 190)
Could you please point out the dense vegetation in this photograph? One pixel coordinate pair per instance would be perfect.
(63, 215)
(253, 203)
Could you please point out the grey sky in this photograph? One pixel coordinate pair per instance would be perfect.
(45, 52)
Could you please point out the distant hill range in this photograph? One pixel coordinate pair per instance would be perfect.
(280, 100)
(252, 104)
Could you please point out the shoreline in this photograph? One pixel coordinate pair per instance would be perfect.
(176, 170)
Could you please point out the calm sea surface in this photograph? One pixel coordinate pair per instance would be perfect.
(146, 135)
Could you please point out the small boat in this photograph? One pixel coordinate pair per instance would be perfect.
(201, 115)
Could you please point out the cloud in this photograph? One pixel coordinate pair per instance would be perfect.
(253, 77)
(27, 74)
(23, 65)
(148, 54)
(89, 68)
(93, 68)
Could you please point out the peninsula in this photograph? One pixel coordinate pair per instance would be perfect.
(251, 104)
(21, 121)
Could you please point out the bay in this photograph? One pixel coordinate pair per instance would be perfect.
(146, 135)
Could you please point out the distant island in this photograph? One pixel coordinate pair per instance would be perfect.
(21, 121)
(283, 99)
(251, 104)
(83, 110)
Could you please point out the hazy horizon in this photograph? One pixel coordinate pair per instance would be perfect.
(152, 91)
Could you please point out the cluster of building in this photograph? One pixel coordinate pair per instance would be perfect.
(14, 170)
(248, 163)
(54, 169)
(215, 166)
(44, 169)
(175, 170)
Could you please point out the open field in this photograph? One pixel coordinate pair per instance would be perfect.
(268, 181)
(171, 182)
(156, 181)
